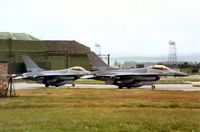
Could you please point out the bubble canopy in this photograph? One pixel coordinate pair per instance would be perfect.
(78, 68)
(159, 67)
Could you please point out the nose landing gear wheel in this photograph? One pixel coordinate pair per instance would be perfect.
(153, 86)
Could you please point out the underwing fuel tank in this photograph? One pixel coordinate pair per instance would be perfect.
(137, 84)
(146, 78)
(60, 83)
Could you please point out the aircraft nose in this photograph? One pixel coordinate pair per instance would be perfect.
(180, 74)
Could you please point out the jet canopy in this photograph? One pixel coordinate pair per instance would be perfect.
(159, 67)
(77, 68)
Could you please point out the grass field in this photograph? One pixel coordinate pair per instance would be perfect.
(172, 80)
(56, 110)
(196, 85)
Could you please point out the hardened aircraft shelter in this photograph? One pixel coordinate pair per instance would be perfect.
(49, 54)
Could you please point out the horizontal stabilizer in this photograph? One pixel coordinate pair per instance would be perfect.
(19, 77)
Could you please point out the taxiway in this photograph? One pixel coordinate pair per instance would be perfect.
(182, 87)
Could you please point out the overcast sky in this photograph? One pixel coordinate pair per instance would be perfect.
(121, 27)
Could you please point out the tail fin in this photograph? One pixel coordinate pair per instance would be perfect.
(30, 64)
(97, 62)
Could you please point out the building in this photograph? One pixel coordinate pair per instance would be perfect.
(3, 78)
(49, 54)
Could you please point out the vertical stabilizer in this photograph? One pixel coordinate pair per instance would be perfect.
(30, 64)
(97, 62)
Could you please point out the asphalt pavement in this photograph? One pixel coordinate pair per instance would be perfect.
(182, 87)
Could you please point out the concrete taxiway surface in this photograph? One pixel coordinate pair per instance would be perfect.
(183, 87)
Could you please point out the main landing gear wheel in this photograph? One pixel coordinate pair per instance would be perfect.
(46, 85)
(129, 87)
(120, 87)
(153, 86)
(73, 84)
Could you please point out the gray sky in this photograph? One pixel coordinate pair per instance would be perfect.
(121, 27)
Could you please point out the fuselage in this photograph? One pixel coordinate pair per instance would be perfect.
(56, 77)
(135, 77)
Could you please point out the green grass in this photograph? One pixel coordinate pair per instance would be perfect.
(173, 80)
(100, 110)
(196, 85)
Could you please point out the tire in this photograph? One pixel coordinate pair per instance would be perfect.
(129, 87)
(120, 87)
(153, 86)
(46, 85)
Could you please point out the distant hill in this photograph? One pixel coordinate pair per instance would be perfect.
(138, 59)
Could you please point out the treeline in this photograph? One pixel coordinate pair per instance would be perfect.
(187, 67)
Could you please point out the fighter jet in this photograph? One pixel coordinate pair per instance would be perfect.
(128, 77)
(51, 77)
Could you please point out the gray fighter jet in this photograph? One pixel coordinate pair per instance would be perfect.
(128, 77)
(51, 77)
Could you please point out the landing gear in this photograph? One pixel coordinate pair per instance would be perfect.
(153, 86)
(46, 85)
(120, 86)
(73, 84)
(129, 87)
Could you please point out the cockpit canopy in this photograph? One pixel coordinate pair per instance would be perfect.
(77, 68)
(159, 67)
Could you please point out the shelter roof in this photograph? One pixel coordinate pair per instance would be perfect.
(16, 36)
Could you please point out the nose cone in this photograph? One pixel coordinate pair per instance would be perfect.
(180, 74)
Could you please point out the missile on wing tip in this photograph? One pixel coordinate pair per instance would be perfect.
(88, 76)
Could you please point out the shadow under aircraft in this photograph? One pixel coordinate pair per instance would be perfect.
(51, 77)
(128, 77)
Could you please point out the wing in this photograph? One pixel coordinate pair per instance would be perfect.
(46, 76)
(55, 75)
(136, 74)
(121, 75)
